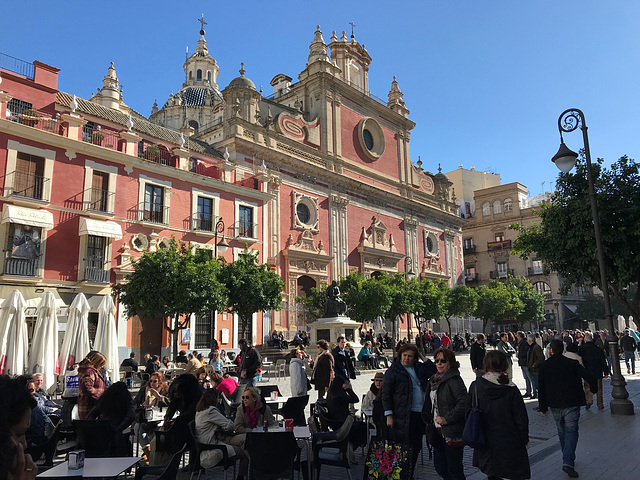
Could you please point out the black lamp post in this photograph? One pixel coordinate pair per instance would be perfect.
(222, 246)
(565, 159)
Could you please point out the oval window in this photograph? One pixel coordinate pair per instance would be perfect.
(368, 139)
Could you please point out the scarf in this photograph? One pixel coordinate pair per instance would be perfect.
(253, 416)
(494, 376)
(374, 389)
(435, 381)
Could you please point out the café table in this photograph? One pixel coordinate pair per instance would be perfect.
(93, 468)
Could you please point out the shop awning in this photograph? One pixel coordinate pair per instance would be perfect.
(27, 216)
(100, 228)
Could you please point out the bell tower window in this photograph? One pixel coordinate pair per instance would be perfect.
(199, 75)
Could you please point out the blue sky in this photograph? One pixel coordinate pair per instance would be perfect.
(485, 81)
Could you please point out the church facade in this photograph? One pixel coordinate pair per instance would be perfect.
(316, 178)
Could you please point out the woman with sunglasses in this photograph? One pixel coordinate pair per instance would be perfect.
(253, 412)
(444, 407)
(153, 393)
(403, 392)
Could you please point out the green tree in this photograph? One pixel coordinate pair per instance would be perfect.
(366, 299)
(172, 283)
(460, 301)
(591, 309)
(315, 302)
(400, 302)
(251, 287)
(533, 301)
(565, 241)
(496, 303)
(427, 300)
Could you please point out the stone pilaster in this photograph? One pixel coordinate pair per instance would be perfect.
(130, 142)
(76, 123)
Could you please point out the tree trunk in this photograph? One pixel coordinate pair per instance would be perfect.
(449, 325)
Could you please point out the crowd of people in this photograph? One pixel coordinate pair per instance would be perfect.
(414, 396)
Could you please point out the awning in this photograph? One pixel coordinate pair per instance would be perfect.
(27, 216)
(100, 228)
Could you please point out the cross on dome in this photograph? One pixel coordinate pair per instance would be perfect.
(202, 24)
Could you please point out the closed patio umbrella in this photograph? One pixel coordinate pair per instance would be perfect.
(13, 335)
(75, 344)
(43, 356)
(107, 337)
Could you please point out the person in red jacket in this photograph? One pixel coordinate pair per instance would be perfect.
(445, 341)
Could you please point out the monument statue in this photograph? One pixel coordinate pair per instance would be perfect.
(335, 306)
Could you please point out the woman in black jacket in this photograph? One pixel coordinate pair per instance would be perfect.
(504, 421)
(444, 406)
(116, 407)
(403, 395)
(338, 399)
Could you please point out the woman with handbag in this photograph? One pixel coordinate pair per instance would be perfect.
(504, 421)
(443, 412)
(403, 393)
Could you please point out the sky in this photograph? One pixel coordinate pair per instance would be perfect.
(485, 80)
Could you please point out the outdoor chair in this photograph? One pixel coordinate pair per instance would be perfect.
(225, 462)
(330, 448)
(272, 455)
(163, 472)
(326, 422)
(95, 437)
(294, 409)
(281, 367)
(230, 407)
(48, 448)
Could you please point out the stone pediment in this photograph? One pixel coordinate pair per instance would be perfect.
(305, 256)
(377, 251)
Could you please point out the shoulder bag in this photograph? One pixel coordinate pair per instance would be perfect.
(473, 433)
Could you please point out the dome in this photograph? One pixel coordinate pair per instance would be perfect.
(242, 81)
(196, 96)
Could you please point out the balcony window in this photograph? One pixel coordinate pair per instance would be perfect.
(245, 222)
(96, 260)
(153, 204)
(536, 266)
(29, 176)
(497, 207)
(204, 216)
(499, 237)
(544, 289)
(23, 252)
(508, 205)
(502, 269)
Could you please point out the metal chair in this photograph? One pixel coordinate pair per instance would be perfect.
(225, 462)
(281, 366)
(272, 455)
(163, 472)
(294, 409)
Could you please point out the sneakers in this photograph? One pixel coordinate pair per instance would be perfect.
(526, 395)
(570, 471)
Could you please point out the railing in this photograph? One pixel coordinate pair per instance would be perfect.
(203, 222)
(471, 278)
(36, 119)
(157, 155)
(501, 273)
(101, 200)
(24, 267)
(535, 271)
(469, 250)
(153, 213)
(15, 65)
(96, 275)
(28, 185)
(101, 138)
(245, 230)
(500, 245)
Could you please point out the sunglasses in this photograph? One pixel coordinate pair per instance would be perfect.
(440, 360)
(246, 398)
(31, 390)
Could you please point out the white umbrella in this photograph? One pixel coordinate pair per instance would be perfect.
(621, 323)
(632, 324)
(75, 345)
(13, 335)
(43, 356)
(107, 337)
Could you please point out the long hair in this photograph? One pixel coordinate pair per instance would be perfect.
(256, 393)
(208, 399)
(115, 401)
(94, 359)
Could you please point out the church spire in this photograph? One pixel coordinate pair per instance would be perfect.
(396, 100)
(318, 49)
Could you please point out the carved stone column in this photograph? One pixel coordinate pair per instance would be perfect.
(339, 235)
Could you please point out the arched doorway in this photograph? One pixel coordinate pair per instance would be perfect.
(304, 284)
(377, 274)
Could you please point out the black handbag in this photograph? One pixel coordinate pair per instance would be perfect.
(473, 433)
(434, 436)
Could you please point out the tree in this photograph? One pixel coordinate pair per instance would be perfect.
(533, 301)
(251, 288)
(591, 309)
(427, 300)
(366, 299)
(315, 302)
(497, 302)
(400, 304)
(172, 283)
(460, 301)
(565, 239)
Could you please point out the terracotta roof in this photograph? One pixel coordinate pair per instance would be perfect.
(140, 124)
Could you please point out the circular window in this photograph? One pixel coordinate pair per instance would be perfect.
(368, 139)
(371, 138)
(303, 213)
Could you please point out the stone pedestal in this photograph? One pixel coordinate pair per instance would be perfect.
(330, 328)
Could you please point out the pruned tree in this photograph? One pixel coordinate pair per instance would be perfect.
(172, 283)
(251, 287)
(460, 301)
(532, 300)
(497, 302)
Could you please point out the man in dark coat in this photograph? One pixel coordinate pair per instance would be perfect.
(505, 347)
(522, 354)
(130, 362)
(343, 366)
(535, 357)
(248, 361)
(596, 365)
(323, 369)
(478, 350)
(560, 389)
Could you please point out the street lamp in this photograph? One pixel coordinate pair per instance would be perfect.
(565, 159)
(222, 246)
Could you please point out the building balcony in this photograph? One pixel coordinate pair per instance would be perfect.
(102, 138)
(204, 222)
(470, 250)
(156, 154)
(96, 275)
(152, 213)
(37, 119)
(471, 278)
(500, 245)
(23, 267)
(534, 271)
(101, 201)
(28, 185)
(500, 274)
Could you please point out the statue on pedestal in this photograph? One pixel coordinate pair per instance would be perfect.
(335, 306)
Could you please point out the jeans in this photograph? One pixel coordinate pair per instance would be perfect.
(534, 383)
(248, 382)
(630, 355)
(567, 424)
(527, 379)
(448, 462)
